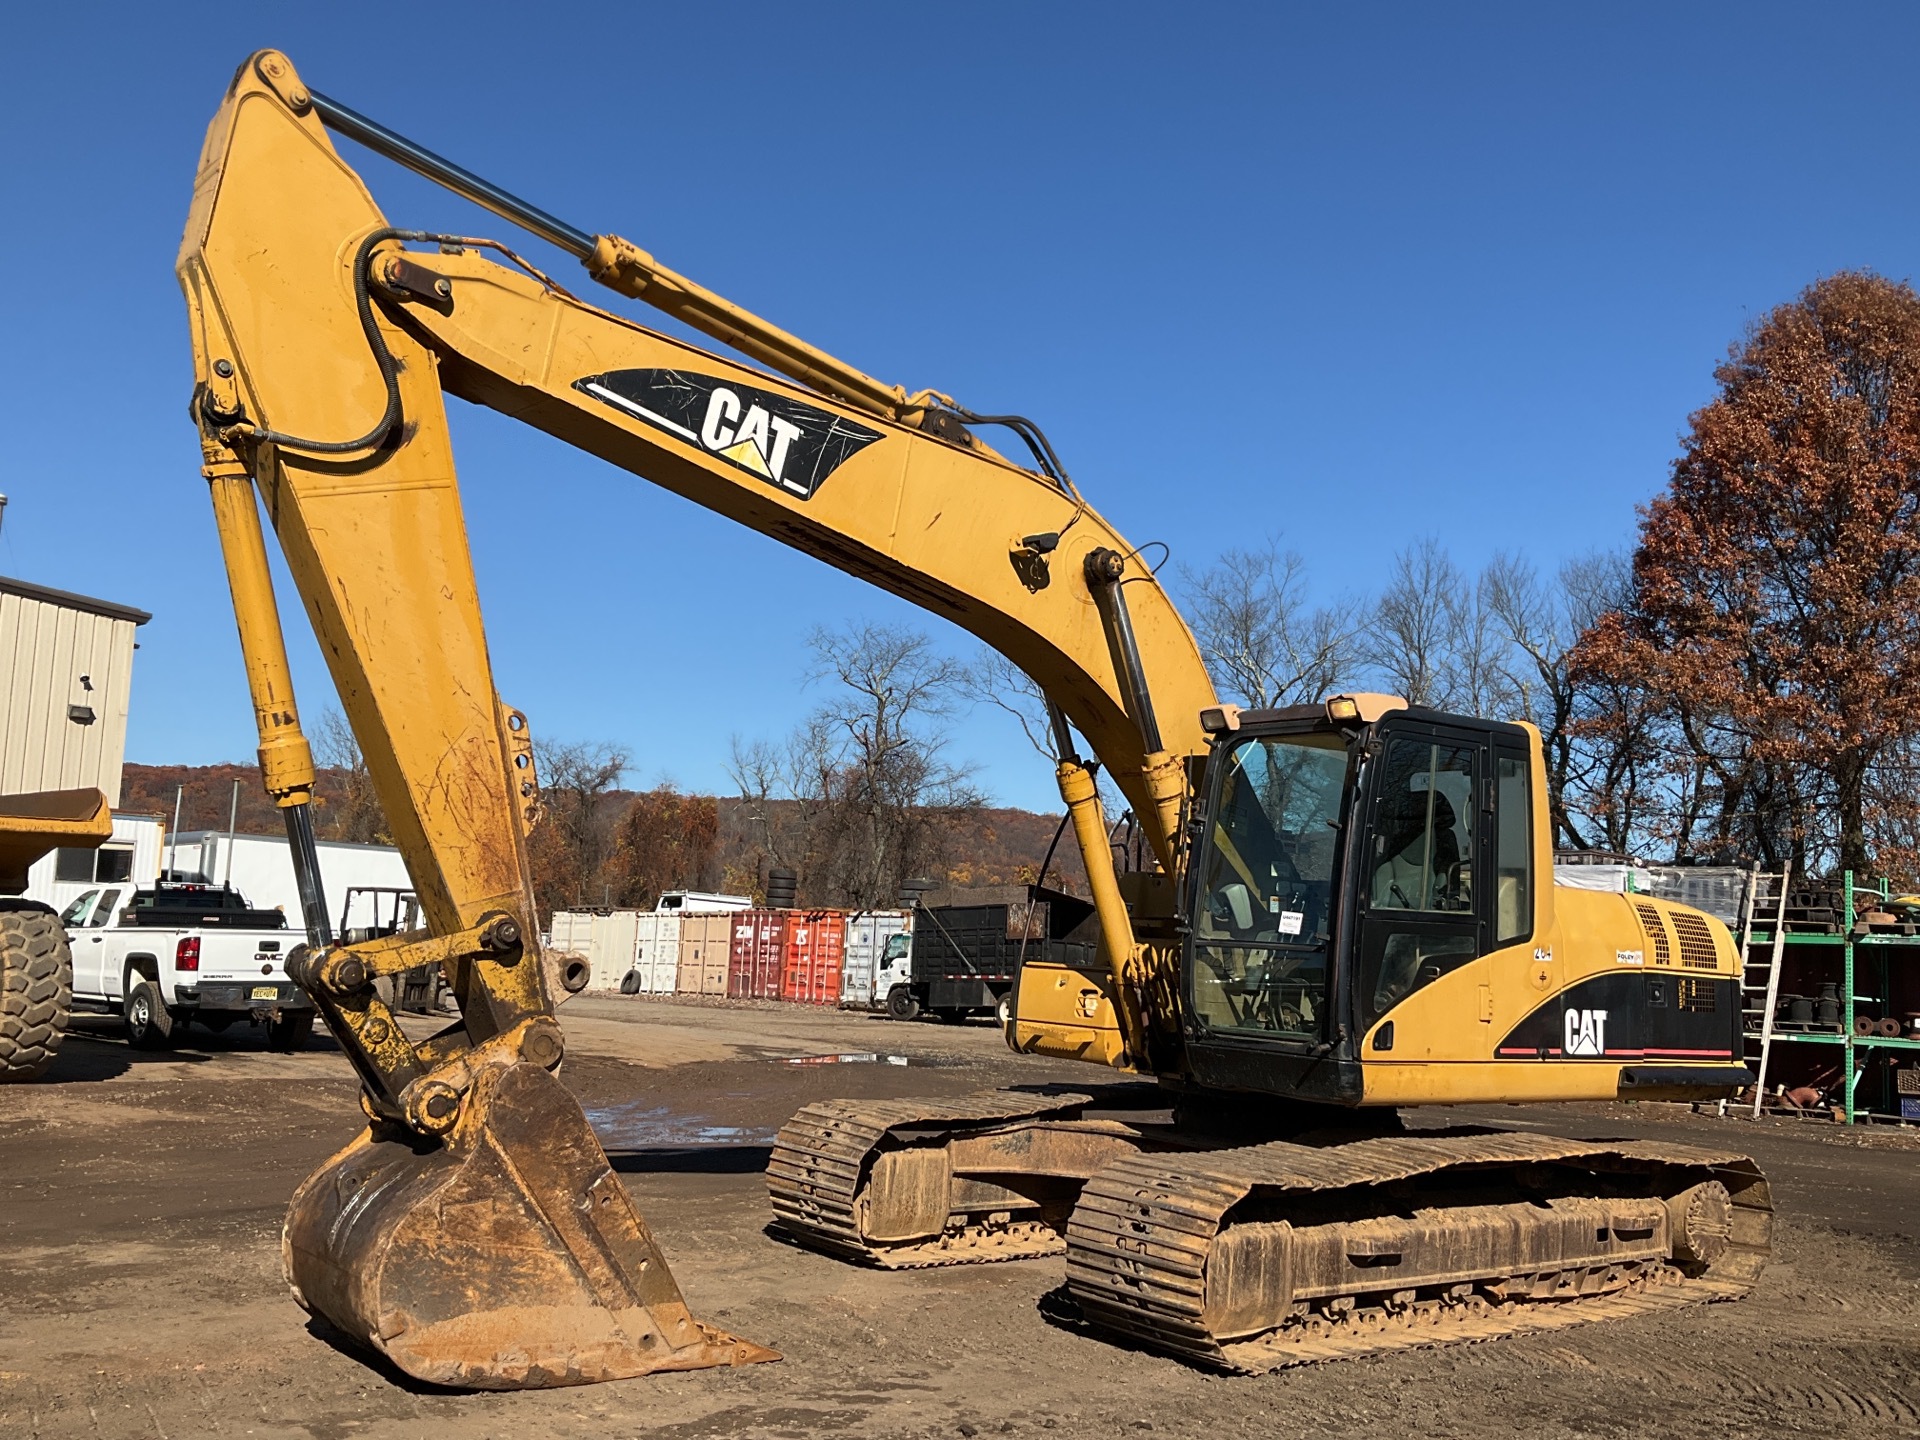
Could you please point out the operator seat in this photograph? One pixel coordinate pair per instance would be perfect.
(1410, 876)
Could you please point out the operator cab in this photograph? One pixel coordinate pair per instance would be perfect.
(1349, 854)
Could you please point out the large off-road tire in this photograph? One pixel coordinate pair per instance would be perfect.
(149, 1022)
(36, 989)
(290, 1032)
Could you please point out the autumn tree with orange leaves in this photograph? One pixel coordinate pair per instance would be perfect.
(1769, 650)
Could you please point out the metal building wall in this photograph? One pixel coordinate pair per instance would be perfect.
(48, 641)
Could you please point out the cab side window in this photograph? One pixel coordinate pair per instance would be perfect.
(1513, 847)
(1423, 828)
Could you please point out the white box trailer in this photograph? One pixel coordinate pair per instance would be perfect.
(260, 867)
(867, 935)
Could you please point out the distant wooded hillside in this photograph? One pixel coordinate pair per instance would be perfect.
(981, 845)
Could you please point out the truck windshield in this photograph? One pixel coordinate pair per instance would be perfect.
(1266, 886)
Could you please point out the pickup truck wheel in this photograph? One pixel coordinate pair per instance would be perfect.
(36, 990)
(900, 1003)
(149, 1022)
(290, 1032)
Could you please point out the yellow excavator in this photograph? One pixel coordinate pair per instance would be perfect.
(1350, 911)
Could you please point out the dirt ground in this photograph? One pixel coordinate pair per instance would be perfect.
(140, 1291)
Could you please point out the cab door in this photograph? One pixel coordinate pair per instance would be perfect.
(86, 920)
(1425, 865)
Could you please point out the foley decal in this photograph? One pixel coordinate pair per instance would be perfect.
(784, 442)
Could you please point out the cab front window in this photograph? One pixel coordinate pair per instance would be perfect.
(1264, 908)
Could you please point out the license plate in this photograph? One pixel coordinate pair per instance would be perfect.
(266, 992)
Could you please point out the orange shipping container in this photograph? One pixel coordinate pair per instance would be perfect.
(796, 961)
(829, 952)
(810, 968)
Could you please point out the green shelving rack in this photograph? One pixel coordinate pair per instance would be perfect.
(1881, 947)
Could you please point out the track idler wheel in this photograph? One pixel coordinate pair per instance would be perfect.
(505, 1256)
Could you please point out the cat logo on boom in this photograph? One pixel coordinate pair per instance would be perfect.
(790, 445)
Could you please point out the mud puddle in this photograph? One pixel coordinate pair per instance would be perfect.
(636, 1126)
(851, 1057)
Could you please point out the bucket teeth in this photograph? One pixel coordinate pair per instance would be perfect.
(507, 1257)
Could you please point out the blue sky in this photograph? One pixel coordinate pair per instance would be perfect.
(1357, 274)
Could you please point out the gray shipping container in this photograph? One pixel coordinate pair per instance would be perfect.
(867, 935)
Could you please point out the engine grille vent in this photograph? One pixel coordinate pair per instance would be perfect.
(1656, 929)
(1696, 941)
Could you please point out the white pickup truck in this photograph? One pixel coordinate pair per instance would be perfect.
(166, 955)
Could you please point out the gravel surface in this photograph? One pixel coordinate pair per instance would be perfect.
(140, 1292)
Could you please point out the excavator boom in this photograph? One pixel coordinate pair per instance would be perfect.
(474, 1233)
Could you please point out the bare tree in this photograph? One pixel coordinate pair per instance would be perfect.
(880, 747)
(782, 793)
(355, 816)
(1262, 641)
(1540, 621)
(1476, 675)
(1413, 622)
(575, 839)
(993, 679)
(857, 797)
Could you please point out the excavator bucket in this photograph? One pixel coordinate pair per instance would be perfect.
(506, 1257)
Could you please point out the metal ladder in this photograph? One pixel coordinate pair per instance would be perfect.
(1760, 980)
